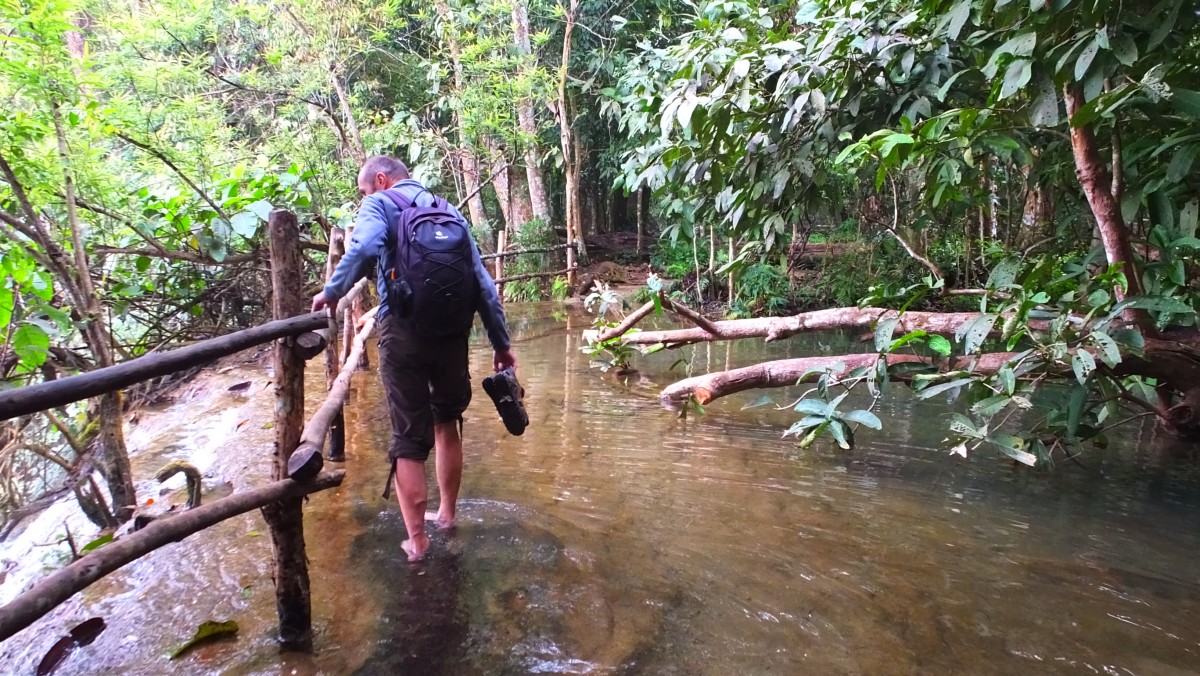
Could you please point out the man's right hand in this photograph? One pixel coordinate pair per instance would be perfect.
(320, 302)
(502, 359)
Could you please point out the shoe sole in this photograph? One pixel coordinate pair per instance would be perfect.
(510, 409)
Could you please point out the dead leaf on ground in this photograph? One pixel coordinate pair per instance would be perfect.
(240, 387)
(208, 630)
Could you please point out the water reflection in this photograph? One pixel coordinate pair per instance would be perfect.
(616, 538)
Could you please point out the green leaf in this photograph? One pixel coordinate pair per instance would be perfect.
(989, 407)
(1181, 163)
(1124, 49)
(207, 631)
(6, 306)
(883, 333)
(864, 418)
(245, 224)
(1156, 304)
(1013, 447)
(1187, 101)
(97, 543)
(1008, 379)
(1188, 218)
(1004, 274)
(974, 332)
(1044, 112)
(262, 209)
(906, 339)
(940, 345)
(840, 434)
(935, 390)
(1016, 77)
(1164, 25)
(1083, 363)
(961, 424)
(1085, 59)
(31, 344)
(811, 406)
(1109, 352)
(956, 18)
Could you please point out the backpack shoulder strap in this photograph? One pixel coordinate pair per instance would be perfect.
(397, 199)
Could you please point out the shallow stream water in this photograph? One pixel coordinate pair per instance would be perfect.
(615, 537)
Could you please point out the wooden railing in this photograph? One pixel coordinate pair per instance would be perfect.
(297, 337)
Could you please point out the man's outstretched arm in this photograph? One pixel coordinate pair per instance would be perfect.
(492, 314)
(366, 245)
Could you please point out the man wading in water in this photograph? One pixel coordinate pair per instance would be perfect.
(425, 314)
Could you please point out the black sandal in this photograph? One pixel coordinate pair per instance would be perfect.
(507, 394)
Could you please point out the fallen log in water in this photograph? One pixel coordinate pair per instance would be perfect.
(61, 585)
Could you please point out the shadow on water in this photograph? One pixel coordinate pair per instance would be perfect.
(617, 538)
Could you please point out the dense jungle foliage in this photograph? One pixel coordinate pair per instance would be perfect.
(1030, 161)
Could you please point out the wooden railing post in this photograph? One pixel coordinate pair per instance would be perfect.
(337, 429)
(501, 245)
(286, 522)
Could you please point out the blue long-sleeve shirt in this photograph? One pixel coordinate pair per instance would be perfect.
(376, 216)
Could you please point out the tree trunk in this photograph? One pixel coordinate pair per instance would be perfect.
(539, 202)
(356, 149)
(470, 163)
(520, 208)
(570, 148)
(292, 596)
(1097, 187)
(117, 470)
(500, 183)
(471, 177)
(641, 219)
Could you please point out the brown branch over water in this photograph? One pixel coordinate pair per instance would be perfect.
(778, 328)
(788, 372)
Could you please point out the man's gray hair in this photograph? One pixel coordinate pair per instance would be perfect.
(386, 165)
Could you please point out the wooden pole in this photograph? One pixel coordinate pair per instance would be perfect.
(313, 436)
(292, 597)
(54, 393)
(337, 429)
(501, 245)
(64, 583)
(346, 302)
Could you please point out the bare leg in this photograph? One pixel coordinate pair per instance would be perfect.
(412, 496)
(448, 443)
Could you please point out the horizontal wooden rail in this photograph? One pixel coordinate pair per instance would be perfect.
(64, 583)
(51, 394)
(518, 252)
(535, 275)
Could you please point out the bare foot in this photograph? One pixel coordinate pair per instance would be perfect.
(416, 547)
(440, 521)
